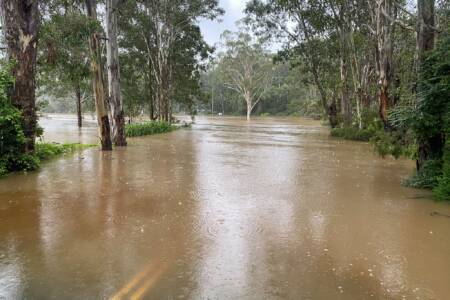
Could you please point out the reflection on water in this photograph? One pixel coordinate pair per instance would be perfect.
(272, 209)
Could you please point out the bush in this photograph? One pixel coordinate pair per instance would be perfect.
(45, 151)
(430, 121)
(442, 190)
(427, 177)
(351, 133)
(12, 138)
(148, 128)
(395, 143)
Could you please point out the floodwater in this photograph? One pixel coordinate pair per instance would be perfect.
(274, 209)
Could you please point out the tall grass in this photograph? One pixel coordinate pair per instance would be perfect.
(45, 151)
(148, 128)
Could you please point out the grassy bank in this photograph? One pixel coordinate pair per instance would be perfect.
(46, 151)
(148, 128)
(43, 152)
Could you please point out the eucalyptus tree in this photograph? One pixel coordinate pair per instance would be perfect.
(247, 68)
(303, 28)
(63, 62)
(20, 23)
(164, 37)
(97, 78)
(385, 16)
(115, 92)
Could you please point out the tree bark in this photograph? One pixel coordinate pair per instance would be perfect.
(78, 99)
(426, 33)
(248, 101)
(20, 20)
(332, 114)
(115, 93)
(385, 30)
(99, 89)
(346, 109)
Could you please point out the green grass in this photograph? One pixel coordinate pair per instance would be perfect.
(148, 128)
(45, 151)
(354, 134)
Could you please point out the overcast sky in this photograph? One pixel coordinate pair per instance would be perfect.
(233, 12)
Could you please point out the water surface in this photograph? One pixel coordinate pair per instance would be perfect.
(274, 209)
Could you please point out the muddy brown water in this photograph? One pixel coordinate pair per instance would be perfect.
(274, 209)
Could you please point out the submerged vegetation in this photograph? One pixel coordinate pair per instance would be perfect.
(148, 128)
(45, 151)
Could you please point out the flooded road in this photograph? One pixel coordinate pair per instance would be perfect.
(275, 209)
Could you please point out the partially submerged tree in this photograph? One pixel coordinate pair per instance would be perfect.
(115, 92)
(97, 74)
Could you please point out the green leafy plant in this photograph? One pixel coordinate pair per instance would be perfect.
(148, 128)
(45, 151)
(12, 138)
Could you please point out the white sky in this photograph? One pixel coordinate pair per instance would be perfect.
(233, 12)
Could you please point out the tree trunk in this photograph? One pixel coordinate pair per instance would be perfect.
(97, 74)
(79, 113)
(432, 147)
(20, 25)
(346, 109)
(248, 101)
(115, 93)
(426, 34)
(385, 29)
(332, 114)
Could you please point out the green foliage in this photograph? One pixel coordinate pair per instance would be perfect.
(45, 151)
(153, 71)
(430, 120)
(395, 143)
(427, 177)
(354, 134)
(63, 62)
(148, 128)
(12, 138)
(442, 190)
(372, 132)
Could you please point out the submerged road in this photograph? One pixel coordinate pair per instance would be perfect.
(274, 209)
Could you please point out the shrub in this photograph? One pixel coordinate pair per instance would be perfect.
(351, 133)
(430, 120)
(427, 177)
(442, 190)
(12, 138)
(148, 128)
